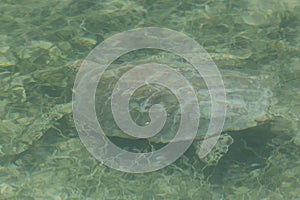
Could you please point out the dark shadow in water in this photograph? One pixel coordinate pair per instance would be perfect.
(246, 157)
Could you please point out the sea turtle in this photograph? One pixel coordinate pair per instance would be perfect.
(251, 100)
(248, 102)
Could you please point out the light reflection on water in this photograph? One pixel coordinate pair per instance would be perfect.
(39, 38)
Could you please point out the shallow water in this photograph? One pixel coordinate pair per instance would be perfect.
(42, 44)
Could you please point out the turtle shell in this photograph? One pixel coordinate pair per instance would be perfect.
(247, 101)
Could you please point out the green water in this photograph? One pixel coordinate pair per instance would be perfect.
(42, 44)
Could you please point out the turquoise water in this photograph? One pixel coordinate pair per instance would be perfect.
(42, 44)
